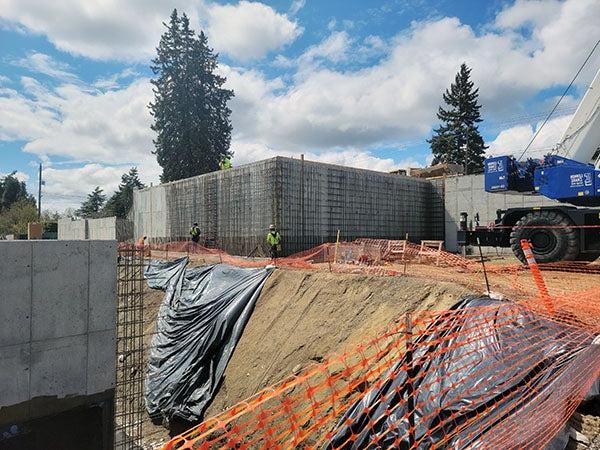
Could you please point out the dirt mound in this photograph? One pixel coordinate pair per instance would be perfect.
(303, 316)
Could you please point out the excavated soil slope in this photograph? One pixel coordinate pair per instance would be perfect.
(303, 316)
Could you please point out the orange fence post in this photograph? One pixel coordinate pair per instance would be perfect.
(537, 276)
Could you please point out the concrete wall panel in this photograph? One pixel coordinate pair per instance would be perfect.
(72, 229)
(60, 289)
(14, 374)
(15, 292)
(102, 285)
(60, 359)
(101, 348)
(58, 367)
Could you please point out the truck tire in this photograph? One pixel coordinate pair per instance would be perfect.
(559, 242)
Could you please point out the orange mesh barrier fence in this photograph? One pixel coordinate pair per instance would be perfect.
(490, 374)
(497, 375)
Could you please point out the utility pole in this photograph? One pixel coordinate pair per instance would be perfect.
(40, 195)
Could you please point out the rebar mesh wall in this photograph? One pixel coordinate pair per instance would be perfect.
(308, 202)
(319, 199)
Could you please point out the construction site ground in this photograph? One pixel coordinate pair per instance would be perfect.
(303, 316)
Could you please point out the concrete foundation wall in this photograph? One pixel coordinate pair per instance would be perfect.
(308, 202)
(57, 339)
(149, 213)
(106, 228)
(467, 194)
(72, 229)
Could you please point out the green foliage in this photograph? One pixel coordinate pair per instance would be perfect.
(191, 117)
(121, 201)
(14, 220)
(12, 190)
(92, 206)
(458, 140)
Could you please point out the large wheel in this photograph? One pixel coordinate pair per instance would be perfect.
(558, 242)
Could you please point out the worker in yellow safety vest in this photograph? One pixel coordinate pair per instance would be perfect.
(274, 241)
(195, 232)
(225, 164)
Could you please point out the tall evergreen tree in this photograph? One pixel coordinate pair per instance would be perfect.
(121, 201)
(12, 190)
(191, 117)
(92, 205)
(457, 139)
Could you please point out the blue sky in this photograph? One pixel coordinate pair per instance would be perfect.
(342, 81)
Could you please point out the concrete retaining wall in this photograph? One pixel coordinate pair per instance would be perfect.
(57, 339)
(467, 193)
(72, 229)
(308, 201)
(106, 228)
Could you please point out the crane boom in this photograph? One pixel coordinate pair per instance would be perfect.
(582, 137)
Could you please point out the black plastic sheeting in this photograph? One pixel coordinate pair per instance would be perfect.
(200, 321)
(504, 377)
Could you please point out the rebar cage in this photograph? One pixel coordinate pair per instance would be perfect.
(129, 393)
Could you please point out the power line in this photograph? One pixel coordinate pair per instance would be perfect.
(560, 99)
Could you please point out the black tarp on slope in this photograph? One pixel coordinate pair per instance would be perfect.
(200, 321)
(485, 372)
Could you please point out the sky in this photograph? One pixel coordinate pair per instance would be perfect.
(349, 82)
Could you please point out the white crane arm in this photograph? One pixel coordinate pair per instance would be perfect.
(582, 138)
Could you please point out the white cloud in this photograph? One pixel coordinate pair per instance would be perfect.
(528, 12)
(108, 129)
(21, 176)
(396, 98)
(112, 81)
(514, 140)
(249, 30)
(44, 64)
(246, 152)
(130, 31)
(296, 6)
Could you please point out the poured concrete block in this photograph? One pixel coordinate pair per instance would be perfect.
(59, 367)
(60, 289)
(101, 361)
(103, 285)
(15, 292)
(14, 374)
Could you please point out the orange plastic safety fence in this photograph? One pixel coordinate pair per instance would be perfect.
(505, 375)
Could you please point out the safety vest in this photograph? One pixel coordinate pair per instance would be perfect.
(274, 238)
(195, 231)
(225, 164)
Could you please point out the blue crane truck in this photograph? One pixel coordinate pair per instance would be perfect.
(570, 174)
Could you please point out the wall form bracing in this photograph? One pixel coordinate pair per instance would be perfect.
(307, 201)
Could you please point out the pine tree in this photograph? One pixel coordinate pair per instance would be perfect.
(191, 117)
(92, 206)
(121, 201)
(12, 190)
(458, 140)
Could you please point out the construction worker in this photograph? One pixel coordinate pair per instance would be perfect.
(195, 232)
(225, 164)
(274, 241)
(141, 243)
